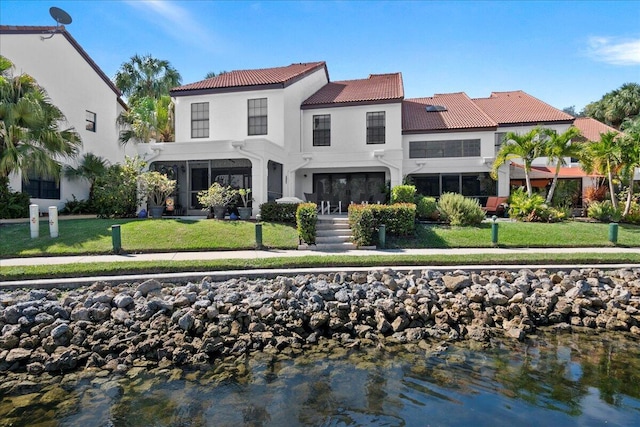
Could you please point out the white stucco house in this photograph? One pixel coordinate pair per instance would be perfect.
(74, 82)
(291, 132)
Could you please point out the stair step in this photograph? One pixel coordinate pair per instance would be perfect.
(341, 232)
(333, 239)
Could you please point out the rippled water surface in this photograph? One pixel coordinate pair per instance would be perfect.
(550, 380)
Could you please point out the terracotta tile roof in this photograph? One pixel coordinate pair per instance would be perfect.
(548, 172)
(33, 29)
(376, 88)
(279, 76)
(591, 128)
(460, 112)
(519, 107)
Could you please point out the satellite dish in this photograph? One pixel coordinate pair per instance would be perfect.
(60, 16)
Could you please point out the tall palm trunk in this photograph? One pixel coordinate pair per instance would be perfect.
(554, 183)
(612, 191)
(528, 180)
(627, 205)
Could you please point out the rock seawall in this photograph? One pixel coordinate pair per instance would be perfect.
(115, 327)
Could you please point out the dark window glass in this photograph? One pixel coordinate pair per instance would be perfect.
(41, 187)
(448, 148)
(200, 120)
(257, 112)
(499, 137)
(90, 119)
(376, 127)
(322, 130)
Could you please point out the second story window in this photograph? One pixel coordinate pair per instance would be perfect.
(376, 128)
(90, 121)
(257, 109)
(200, 120)
(322, 130)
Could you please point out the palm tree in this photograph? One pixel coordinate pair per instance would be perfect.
(30, 136)
(146, 76)
(148, 119)
(528, 147)
(90, 167)
(630, 159)
(603, 156)
(557, 148)
(615, 106)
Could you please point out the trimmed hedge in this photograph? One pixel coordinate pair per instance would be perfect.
(365, 220)
(306, 220)
(426, 208)
(403, 194)
(276, 212)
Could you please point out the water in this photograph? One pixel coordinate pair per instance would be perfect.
(551, 380)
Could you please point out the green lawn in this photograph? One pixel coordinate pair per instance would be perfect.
(93, 236)
(519, 235)
(335, 262)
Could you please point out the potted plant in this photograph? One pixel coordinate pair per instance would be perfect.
(245, 211)
(155, 188)
(216, 198)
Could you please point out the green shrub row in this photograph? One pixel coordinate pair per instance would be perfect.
(306, 220)
(365, 221)
(276, 212)
(427, 208)
(13, 204)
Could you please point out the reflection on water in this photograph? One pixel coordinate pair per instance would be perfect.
(551, 380)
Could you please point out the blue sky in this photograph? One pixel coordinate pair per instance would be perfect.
(565, 53)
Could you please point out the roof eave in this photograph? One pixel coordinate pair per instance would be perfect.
(447, 130)
(350, 103)
(537, 123)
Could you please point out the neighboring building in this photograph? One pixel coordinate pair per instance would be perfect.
(79, 88)
(289, 131)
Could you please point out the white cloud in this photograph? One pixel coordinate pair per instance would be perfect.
(175, 20)
(615, 51)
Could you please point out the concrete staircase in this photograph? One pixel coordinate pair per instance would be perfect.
(333, 234)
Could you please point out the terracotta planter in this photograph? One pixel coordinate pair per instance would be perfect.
(245, 213)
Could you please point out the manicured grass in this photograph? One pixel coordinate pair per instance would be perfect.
(335, 262)
(93, 236)
(519, 235)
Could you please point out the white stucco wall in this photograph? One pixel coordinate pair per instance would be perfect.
(228, 116)
(74, 87)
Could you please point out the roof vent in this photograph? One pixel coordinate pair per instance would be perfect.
(431, 108)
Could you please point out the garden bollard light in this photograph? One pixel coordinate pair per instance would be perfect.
(382, 236)
(494, 231)
(34, 221)
(53, 221)
(613, 232)
(116, 239)
(258, 235)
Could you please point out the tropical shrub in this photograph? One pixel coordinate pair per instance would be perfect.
(426, 208)
(116, 192)
(77, 207)
(13, 204)
(403, 194)
(533, 208)
(156, 187)
(594, 194)
(458, 210)
(604, 211)
(216, 195)
(276, 212)
(306, 220)
(633, 217)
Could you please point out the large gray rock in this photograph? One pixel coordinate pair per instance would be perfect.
(148, 286)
